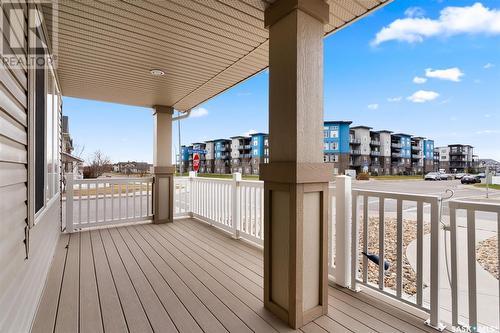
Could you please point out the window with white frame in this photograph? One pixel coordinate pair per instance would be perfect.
(47, 137)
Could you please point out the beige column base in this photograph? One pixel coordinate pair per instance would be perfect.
(295, 243)
(163, 194)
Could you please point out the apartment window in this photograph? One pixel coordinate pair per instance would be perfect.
(325, 133)
(334, 134)
(334, 145)
(334, 158)
(325, 146)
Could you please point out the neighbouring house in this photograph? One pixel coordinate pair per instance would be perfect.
(132, 167)
(70, 163)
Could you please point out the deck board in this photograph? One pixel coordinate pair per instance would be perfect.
(90, 309)
(184, 276)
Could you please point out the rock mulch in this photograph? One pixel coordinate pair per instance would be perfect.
(487, 255)
(409, 234)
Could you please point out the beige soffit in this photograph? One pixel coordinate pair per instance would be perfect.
(107, 48)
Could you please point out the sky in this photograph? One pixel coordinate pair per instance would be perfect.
(428, 68)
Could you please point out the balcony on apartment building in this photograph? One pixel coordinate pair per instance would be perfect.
(416, 148)
(375, 142)
(375, 153)
(396, 145)
(354, 141)
(396, 155)
(355, 152)
(416, 156)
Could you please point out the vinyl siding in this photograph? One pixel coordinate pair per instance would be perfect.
(21, 279)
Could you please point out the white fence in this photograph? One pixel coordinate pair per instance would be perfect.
(237, 206)
(470, 209)
(234, 205)
(107, 201)
(360, 275)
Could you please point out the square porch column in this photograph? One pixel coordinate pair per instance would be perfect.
(163, 192)
(296, 179)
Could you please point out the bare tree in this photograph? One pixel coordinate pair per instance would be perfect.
(98, 164)
(78, 150)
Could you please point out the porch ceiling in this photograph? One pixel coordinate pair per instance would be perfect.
(107, 48)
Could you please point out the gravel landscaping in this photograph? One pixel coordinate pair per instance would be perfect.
(487, 255)
(409, 234)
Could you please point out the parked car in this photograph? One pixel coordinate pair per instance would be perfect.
(444, 176)
(432, 176)
(459, 175)
(470, 179)
(481, 175)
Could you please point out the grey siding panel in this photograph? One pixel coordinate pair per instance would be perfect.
(21, 280)
(12, 173)
(11, 151)
(9, 128)
(10, 106)
(13, 86)
(19, 299)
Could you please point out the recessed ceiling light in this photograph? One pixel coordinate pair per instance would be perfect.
(157, 72)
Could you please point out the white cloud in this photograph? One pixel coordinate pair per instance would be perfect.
(487, 115)
(488, 65)
(450, 74)
(423, 96)
(373, 106)
(199, 112)
(414, 12)
(419, 80)
(249, 132)
(475, 19)
(395, 99)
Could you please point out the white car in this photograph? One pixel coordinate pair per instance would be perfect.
(433, 176)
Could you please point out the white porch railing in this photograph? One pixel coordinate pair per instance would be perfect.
(360, 275)
(234, 205)
(107, 201)
(471, 209)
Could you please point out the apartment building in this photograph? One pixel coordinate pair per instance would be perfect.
(260, 151)
(381, 152)
(417, 155)
(461, 158)
(428, 155)
(359, 148)
(401, 154)
(337, 145)
(222, 161)
(241, 154)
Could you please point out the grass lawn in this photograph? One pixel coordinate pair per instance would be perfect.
(418, 177)
(223, 176)
(491, 186)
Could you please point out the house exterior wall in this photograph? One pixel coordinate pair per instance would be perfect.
(27, 239)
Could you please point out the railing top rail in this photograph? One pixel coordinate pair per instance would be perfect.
(113, 180)
(212, 180)
(397, 195)
(475, 205)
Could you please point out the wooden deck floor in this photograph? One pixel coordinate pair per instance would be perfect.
(187, 277)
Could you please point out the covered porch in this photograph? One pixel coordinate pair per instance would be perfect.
(185, 276)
